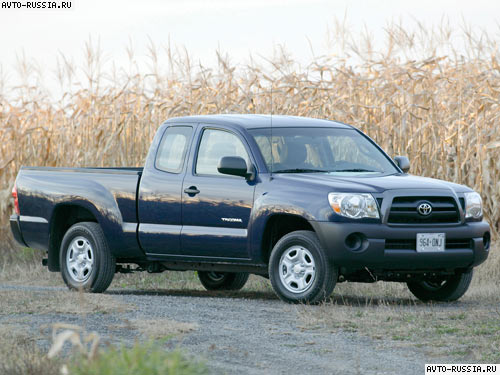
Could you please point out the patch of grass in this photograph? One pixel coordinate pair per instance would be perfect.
(141, 359)
(27, 254)
(165, 280)
(465, 330)
(19, 354)
(58, 302)
(28, 272)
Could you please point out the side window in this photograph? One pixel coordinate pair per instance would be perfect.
(214, 145)
(173, 148)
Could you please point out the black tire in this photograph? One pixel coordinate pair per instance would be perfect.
(223, 280)
(98, 279)
(447, 290)
(325, 277)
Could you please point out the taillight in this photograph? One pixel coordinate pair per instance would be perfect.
(16, 200)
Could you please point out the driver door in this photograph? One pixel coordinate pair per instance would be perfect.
(216, 207)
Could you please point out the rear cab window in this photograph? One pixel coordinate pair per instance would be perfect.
(173, 148)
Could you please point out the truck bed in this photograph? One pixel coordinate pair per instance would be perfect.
(108, 194)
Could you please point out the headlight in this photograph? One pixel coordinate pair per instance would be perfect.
(473, 205)
(354, 206)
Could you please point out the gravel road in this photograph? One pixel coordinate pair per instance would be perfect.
(255, 334)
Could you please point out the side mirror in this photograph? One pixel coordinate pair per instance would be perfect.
(235, 166)
(403, 163)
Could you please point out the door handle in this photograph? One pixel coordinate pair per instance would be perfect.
(191, 191)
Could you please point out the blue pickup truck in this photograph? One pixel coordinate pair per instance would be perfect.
(304, 202)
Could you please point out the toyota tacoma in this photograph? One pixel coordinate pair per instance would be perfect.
(304, 202)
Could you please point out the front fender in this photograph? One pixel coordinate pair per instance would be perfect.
(307, 205)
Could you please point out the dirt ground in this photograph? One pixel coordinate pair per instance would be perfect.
(373, 329)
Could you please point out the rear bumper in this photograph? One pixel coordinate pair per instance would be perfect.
(373, 253)
(16, 230)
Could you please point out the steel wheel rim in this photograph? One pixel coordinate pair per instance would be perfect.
(215, 276)
(434, 285)
(297, 269)
(80, 259)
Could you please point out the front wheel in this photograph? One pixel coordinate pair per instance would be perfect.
(445, 290)
(299, 269)
(85, 259)
(212, 280)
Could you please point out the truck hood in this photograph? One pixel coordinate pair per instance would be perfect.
(370, 184)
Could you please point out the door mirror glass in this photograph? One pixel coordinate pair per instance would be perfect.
(403, 163)
(233, 165)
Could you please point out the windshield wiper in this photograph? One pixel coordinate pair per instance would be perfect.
(355, 170)
(300, 170)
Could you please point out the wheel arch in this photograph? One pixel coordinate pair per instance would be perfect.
(64, 216)
(277, 226)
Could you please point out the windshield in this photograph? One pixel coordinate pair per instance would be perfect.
(328, 150)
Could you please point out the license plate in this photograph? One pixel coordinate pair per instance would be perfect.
(429, 242)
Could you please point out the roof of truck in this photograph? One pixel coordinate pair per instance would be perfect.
(259, 121)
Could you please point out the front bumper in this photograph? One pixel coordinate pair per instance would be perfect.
(16, 230)
(373, 253)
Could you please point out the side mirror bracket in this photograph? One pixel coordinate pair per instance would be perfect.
(403, 163)
(251, 172)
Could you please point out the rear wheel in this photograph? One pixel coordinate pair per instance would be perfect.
(446, 290)
(85, 259)
(300, 270)
(212, 280)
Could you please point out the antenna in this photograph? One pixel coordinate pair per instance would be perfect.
(271, 140)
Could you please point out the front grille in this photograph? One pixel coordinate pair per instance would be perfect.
(404, 211)
(411, 244)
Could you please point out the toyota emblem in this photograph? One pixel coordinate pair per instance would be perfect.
(424, 209)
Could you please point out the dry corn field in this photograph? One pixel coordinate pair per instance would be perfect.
(442, 112)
